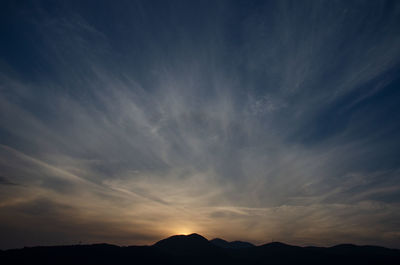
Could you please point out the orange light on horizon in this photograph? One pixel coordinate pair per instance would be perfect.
(182, 230)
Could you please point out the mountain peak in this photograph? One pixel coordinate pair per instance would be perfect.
(234, 244)
(182, 241)
(196, 236)
(277, 245)
(218, 240)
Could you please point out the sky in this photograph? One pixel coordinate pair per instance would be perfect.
(129, 121)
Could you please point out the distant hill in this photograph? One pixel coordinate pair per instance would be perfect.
(182, 242)
(195, 249)
(234, 244)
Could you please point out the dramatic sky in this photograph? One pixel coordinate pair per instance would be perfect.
(129, 121)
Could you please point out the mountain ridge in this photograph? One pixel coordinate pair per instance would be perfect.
(233, 244)
(196, 249)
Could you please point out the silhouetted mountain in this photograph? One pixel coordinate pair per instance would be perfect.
(183, 242)
(191, 249)
(195, 249)
(234, 244)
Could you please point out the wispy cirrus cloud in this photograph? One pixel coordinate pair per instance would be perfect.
(280, 118)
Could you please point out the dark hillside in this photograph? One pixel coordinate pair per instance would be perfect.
(195, 249)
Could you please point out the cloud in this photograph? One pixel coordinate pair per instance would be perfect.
(276, 120)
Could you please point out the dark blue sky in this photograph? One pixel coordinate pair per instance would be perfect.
(127, 121)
